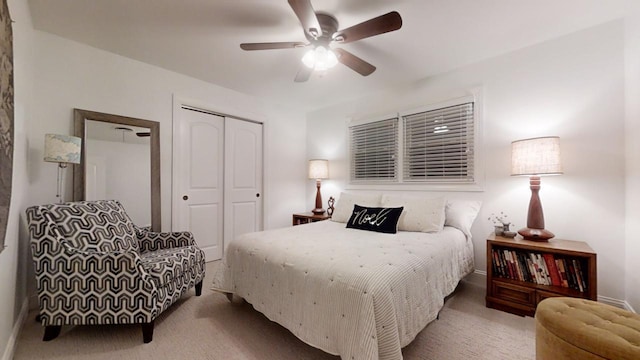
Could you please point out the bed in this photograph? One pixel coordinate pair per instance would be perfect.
(349, 292)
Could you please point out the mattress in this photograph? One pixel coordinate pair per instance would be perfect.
(353, 293)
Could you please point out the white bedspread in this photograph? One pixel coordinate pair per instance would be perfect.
(353, 293)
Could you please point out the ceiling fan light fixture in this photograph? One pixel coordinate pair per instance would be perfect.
(320, 58)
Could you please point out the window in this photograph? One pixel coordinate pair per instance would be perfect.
(433, 145)
(374, 151)
(438, 145)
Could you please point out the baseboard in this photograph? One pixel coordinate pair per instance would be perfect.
(17, 327)
(477, 277)
(622, 304)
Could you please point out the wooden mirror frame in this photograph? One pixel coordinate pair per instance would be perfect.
(79, 170)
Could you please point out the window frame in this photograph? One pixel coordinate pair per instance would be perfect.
(432, 185)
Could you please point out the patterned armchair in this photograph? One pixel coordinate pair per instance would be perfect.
(94, 266)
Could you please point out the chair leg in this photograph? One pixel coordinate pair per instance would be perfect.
(199, 288)
(51, 332)
(147, 332)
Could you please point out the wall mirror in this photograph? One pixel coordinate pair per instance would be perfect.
(120, 160)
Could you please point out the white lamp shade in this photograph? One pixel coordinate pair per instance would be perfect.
(62, 148)
(318, 169)
(537, 156)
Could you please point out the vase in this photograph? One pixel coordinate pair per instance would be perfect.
(505, 227)
(499, 229)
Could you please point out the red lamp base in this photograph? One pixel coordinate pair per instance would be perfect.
(536, 234)
(318, 211)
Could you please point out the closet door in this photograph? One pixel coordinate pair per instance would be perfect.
(243, 178)
(199, 175)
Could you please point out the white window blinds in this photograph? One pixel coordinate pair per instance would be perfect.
(374, 151)
(439, 145)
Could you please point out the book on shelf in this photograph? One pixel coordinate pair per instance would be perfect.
(539, 268)
(553, 270)
(563, 273)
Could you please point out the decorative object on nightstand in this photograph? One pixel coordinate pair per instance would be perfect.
(318, 169)
(64, 150)
(521, 273)
(535, 157)
(500, 223)
(305, 218)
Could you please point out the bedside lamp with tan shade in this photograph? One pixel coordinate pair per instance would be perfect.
(318, 169)
(534, 158)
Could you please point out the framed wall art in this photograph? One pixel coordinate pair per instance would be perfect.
(6, 117)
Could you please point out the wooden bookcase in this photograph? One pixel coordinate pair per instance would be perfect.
(522, 297)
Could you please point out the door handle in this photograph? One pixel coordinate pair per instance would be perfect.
(258, 195)
(185, 198)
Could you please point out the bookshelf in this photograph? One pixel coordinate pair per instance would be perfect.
(512, 285)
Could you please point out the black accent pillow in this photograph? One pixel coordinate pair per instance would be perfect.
(384, 220)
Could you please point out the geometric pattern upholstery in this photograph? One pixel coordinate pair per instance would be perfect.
(94, 266)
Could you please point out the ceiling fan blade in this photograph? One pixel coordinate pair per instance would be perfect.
(355, 63)
(307, 16)
(272, 45)
(376, 26)
(303, 74)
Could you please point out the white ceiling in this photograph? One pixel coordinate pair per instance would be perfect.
(201, 38)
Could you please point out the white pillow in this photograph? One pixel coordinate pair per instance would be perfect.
(420, 214)
(461, 214)
(344, 205)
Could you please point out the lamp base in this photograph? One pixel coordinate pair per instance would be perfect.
(536, 234)
(318, 211)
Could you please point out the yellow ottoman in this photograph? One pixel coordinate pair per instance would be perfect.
(570, 328)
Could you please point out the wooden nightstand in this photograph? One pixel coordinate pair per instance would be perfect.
(308, 217)
(512, 288)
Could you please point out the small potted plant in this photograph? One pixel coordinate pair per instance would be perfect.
(501, 224)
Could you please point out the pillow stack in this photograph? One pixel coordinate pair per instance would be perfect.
(418, 214)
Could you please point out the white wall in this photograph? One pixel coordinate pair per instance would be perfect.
(571, 87)
(14, 259)
(72, 75)
(632, 132)
(122, 172)
(54, 75)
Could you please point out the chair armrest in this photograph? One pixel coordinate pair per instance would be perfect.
(152, 241)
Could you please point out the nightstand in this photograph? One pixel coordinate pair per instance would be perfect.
(563, 267)
(309, 217)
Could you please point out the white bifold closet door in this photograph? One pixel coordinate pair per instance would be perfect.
(218, 175)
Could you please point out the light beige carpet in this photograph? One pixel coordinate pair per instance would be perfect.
(209, 327)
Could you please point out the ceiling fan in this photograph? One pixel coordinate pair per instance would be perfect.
(321, 30)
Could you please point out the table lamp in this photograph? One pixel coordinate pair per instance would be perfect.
(318, 169)
(536, 157)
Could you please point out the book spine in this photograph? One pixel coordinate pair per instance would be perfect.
(571, 274)
(505, 253)
(553, 270)
(523, 265)
(563, 274)
(537, 268)
(578, 277)
(514, 257)
(532, 270)
(545, 270)
(585, 283)
(496, 257)
(541, 268)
